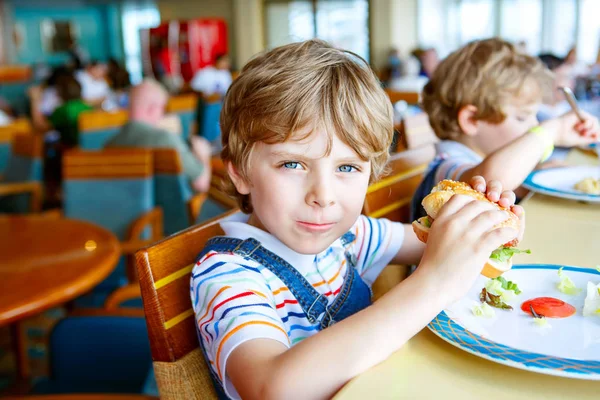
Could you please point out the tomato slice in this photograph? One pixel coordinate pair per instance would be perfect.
(548, 307)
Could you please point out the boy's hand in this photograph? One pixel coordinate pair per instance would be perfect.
(504, 198)
(460, 242)
(569, 131)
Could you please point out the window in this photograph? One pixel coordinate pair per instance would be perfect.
(522, 22)
(136, 17)
(588, 42)
(545, 26)
(343, 23)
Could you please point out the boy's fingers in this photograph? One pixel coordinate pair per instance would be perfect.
(457, 202)
(498, 237)
(478, 183)
(494, 189)
(507, 198)
(485, 221)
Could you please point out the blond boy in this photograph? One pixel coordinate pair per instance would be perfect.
(482, 102)
(282, 302)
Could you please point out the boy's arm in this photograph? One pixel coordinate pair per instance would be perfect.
(412, 248)
(512, 163)
(320, 365)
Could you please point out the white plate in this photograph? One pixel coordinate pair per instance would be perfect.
(560, 182)
(570, 347)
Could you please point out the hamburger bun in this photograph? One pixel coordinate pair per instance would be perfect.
(440, 195)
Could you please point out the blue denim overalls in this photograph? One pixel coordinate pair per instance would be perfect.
(354, 295)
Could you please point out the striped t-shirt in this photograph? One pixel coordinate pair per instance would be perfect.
(236, 300)
(455, 158)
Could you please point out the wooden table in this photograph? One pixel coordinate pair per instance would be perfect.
(558, 232)
(45, 262)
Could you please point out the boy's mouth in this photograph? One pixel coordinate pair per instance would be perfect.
(315, 227)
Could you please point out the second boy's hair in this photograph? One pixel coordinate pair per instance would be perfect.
(301, 87)
(487, 74)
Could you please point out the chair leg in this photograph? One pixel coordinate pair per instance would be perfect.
(19, 342)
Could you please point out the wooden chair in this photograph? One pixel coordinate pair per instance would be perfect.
(97, 127)
(409, 97)
(113, 188)
(7, 134)
(416, 131)
(21, 189)
(173, 193)
(185, 107)
(164, 271)
(391, 197)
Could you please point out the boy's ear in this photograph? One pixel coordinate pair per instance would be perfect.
(240, 183)
(466, 120)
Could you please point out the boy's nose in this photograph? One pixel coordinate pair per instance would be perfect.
(321, 194)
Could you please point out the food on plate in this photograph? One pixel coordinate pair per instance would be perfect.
(548, 307)
(589, 185)
(541, 322)
(591, 306)
(500, 259)
(566, 285)
(493, 300)
(507, 290)
(483, 310)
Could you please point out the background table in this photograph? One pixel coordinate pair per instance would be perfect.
(45, 262)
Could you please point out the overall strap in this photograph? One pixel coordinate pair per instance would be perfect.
(313, 303)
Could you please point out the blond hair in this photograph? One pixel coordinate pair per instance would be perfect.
(302, 87)
(487, 74)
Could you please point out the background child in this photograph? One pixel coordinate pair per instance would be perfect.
(282, 302)
(482, 102)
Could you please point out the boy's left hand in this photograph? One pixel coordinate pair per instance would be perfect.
(493, 191)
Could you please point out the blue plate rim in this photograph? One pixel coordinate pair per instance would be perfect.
(445, 328)
(536, 187)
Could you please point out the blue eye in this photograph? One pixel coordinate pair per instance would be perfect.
(291, 165)
(347, 168)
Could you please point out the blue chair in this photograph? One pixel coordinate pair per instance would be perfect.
(7, 133)
(113, 188)
(98, 127)
(106, 352)
(184, 106)
(208, 113)
(21, 188)
(173, 193)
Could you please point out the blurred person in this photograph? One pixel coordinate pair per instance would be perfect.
(64, 118)
(410, 80)
(6, 112)
(578, 68)
(429, 60)
(555, 104)
(79, 56)
(49, 100)
(147, 103)
(94, 87)
(119, 83)
(393, 68)
(214, 79)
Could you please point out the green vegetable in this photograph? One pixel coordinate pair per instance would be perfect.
(566, 285)
(483, 310)
(541, 322)
(427, 222)
(493, 300)
(503, 254)
(509, 285)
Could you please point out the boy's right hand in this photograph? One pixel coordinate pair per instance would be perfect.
(569, 131)
(460, 242)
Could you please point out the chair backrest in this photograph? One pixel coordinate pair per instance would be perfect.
(390, 197)
(98, 127)
(164, 271)
(409, 97)
(207, 118)
(418, 132)
(25, 161)
(185, 107)
(171, 190)
(110, 188)
(7, 134)
(24, 165)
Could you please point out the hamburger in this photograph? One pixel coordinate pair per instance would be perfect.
(500, 260)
